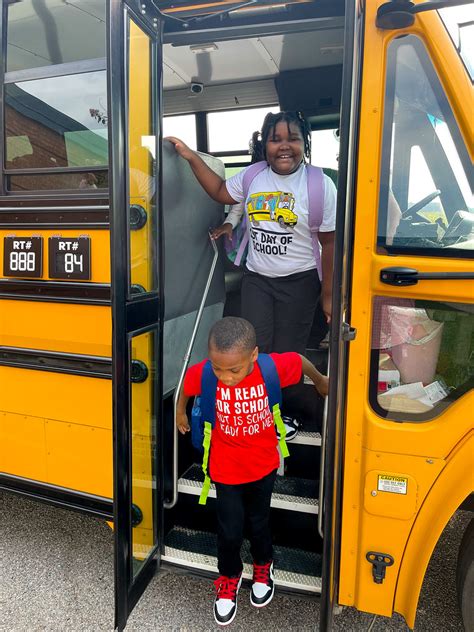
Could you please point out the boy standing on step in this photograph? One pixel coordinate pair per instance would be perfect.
(243, 456)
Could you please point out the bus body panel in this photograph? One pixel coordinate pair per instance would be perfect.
(451, 488)
(47, 326)
(423, 453)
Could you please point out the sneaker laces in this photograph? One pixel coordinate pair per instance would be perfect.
(261, 573)
(226, 587)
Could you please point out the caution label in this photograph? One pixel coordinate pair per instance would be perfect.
(392, 484)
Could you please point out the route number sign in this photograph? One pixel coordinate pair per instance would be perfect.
(23, 257)
(70, 258)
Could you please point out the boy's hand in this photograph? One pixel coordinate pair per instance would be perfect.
(322, 385)
(181, 148)
(182, 423)
(320, 381)
(223, 229)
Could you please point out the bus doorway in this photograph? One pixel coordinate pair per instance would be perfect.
(292, 60)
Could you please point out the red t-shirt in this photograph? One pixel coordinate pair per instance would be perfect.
(244, 442)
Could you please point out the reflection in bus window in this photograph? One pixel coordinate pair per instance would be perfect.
(422, 356)
(86, 181)
(54, 32)
(426, 199)
(421, 184)
(57, 122)
(141, 144)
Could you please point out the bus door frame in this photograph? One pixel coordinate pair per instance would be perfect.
(132, 313)
(332, 448)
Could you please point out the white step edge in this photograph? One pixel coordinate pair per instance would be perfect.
(285, 579)
(305, 438)
(279, 501)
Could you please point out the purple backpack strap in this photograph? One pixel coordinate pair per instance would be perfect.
(249, 174)
(315, 177)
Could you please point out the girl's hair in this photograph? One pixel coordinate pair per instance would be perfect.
(259, 139)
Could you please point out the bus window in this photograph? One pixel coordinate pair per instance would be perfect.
(325, 151)
(232, 131)
(57, 122)
(183, 126)
(141, 147)
(459, 23)
(52, 32)
(422, 351)
(422, 357)
(55, 97)
(426, 201)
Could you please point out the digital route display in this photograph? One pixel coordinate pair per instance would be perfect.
(23, 257)
(70, 258)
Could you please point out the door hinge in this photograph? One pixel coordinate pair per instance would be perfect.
(379, 562)
(348, 333)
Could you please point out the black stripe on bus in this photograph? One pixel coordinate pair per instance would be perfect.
(58, 362)
(29, 218)
(62, 497)
(55, 291)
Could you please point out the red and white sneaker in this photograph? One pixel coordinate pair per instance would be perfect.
(225, 605)
(262, 587)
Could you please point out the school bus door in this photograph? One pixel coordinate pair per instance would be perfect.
(134, 66)
(407, 452)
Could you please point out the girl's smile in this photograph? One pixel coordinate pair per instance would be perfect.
(285, 148)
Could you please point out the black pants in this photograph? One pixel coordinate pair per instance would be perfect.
(282, 312)
(281, 309)
(238, 505)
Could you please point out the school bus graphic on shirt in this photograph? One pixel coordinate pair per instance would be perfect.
(273, 206)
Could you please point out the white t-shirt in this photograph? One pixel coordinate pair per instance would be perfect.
(277, 213)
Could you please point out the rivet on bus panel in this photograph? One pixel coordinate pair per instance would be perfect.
(430, 461)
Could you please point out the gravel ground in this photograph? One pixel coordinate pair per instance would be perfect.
(56, 574)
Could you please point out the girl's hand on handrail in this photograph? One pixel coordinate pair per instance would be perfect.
(223, 229)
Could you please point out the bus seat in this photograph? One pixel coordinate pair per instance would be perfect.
(188, 213)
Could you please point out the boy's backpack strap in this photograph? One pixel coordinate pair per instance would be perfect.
(206, 444)
(208, 394)
(315, 178)
(270, 377)
(249, 174)
(272, 384)
(208, 410)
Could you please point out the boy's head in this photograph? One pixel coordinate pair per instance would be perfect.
(232, 349)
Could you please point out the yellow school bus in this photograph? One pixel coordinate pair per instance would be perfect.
(109, 282)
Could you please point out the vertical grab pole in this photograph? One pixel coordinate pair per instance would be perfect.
(322, 463)
(174, 498)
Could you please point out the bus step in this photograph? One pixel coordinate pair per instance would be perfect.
(306, 438)
(293, 494)
(294, 568)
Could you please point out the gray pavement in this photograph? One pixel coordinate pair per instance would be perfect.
(56, 574)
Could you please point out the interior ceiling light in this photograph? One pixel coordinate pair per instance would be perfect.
(203, 48)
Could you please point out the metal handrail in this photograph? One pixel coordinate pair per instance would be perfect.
(174, 498)
(322, 464)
